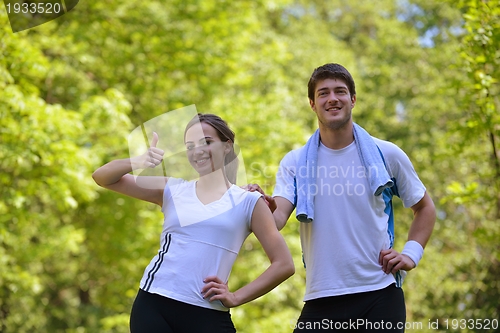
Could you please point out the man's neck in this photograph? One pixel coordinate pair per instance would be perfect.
(336, 138)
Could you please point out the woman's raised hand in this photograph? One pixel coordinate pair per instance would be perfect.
(151, 158)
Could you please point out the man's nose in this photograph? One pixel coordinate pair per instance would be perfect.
(332, 97)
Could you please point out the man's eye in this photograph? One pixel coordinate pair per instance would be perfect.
(189, 147)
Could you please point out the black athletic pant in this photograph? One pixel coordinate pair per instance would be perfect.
(153, 313)
(374, 311)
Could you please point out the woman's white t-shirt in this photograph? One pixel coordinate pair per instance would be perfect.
(197, 241)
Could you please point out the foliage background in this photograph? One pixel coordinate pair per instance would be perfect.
(427, 71)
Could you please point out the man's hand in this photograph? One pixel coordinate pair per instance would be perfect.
(271, 203)
(392, 261)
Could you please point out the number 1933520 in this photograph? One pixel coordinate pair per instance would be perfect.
(472, 324)
(34, 8)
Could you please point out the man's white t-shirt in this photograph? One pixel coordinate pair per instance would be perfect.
(341, 246)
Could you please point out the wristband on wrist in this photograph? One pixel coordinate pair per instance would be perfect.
(414, 250)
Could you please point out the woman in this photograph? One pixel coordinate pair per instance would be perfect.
(184, 288)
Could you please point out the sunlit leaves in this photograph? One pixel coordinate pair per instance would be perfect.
(71, 90)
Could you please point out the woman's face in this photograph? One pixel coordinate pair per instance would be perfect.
(205, 150)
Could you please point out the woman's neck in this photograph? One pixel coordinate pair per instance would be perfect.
(213, 182)
(212, 187)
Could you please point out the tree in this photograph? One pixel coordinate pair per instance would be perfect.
(45, 162)
(72, 89)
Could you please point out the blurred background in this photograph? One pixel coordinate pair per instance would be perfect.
(71, 90)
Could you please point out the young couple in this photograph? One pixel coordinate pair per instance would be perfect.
(353, 273)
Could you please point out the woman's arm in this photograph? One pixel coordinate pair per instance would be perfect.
(115, 175)
(280, 269)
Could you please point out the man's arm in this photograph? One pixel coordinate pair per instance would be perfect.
(282, 212)
(279, 206)
(424, 217)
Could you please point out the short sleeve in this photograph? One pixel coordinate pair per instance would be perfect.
(285, 177)
(170, 187)
(410, 188)
(251, 201)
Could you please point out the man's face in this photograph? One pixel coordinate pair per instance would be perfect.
(333, 103)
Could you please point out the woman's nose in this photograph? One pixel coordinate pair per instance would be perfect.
(199, 150)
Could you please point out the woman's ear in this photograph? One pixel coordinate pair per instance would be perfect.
(229, 146)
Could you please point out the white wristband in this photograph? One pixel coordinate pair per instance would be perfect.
(414, 250)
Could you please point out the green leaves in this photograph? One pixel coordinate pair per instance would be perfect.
(427, 75)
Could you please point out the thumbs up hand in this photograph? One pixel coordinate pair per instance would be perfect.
(151, 158)
(154, 142)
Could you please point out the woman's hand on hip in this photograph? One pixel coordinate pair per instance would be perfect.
(215, 289)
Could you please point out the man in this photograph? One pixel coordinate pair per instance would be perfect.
(353, 274)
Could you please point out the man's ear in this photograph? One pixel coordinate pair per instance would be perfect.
(353, 100)
(311, 103)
